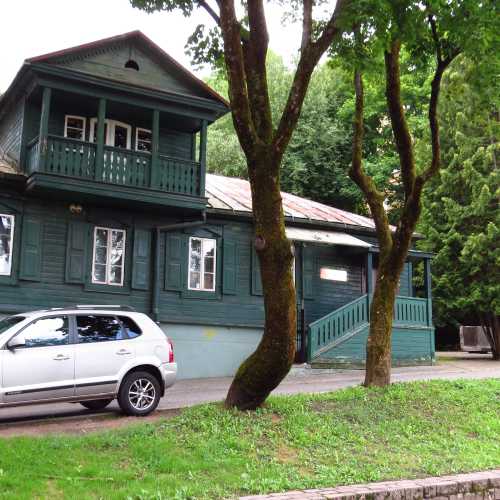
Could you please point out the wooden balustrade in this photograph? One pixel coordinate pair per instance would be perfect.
(74, 158)
(326, 331)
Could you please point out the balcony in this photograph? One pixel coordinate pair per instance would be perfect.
(109, 152)
(133, 171)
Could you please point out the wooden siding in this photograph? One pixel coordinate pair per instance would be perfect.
(330, 295)
(110, 62)
(239, 305)
(11, 131)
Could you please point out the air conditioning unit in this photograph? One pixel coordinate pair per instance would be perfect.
(473, 339)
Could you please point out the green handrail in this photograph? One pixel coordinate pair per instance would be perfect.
(336, 325)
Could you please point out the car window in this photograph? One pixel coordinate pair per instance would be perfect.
(46, 332)
(96, 328)
(133, 330)
(9, 322)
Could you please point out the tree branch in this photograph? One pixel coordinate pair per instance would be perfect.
(211, 12)
(255, 55)
(398, 119)
(309, 56)
(234, 59)
(306, 24)
(373, 196)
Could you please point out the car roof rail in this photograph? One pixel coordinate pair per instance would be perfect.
(105, 306)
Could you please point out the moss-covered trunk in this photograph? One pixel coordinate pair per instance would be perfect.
(273, 358)
(378, 347)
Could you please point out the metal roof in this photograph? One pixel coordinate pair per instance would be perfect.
(233, 195)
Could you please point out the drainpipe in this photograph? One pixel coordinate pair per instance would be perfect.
(156, 268)
(303, 331)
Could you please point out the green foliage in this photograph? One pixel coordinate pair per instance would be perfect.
(461, 218)
(350, 436)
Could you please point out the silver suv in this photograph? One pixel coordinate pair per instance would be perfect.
(86, 354)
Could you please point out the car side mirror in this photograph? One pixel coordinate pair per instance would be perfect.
(16, 342)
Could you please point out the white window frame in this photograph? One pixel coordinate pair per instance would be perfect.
(110, 136)
(202, 265)
(108, 255)
(84, 120)
(137, 130)
(11, 243)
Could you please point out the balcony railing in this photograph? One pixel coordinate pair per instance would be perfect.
(124, 167)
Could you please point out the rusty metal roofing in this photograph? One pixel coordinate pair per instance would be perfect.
(233, 195)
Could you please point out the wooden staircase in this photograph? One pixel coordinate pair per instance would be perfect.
(352, 319)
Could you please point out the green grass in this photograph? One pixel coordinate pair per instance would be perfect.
(349, 436)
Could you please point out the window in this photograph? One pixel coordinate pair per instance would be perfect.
(143, 140)
(6, 239)
(92, 328)
(202, 264)
(131, 64)
(133, 330)
(74, 127)
(109, 256)
(9, 322)
(46, 332)
(327, 273)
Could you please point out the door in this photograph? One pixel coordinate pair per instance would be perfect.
(101, 351)
(44, 367)
(116, 134)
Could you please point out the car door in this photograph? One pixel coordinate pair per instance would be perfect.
(101, 351)
(42, 368)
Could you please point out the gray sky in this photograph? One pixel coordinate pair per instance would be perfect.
(34, 27)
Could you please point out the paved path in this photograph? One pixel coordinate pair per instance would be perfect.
(191, 392)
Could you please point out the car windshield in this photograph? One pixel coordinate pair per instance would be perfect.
(7, 323)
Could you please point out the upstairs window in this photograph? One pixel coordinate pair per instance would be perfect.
(143, 140)
(74, 127)
(202, 254)
(109, 256)
(6, 240)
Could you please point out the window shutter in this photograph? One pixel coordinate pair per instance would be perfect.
(175, 261)
(229, 267)
(256, 278)
(77, 252)
(308, 272)
(31, 249)
(142, 259)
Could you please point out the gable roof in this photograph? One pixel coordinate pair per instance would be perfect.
(232, 195)
(142, 41)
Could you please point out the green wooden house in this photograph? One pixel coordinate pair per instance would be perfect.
(104, 199)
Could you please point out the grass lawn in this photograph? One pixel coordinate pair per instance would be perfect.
(349, 436)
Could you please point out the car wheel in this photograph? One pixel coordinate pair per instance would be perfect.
(139, 394)
(97, 404)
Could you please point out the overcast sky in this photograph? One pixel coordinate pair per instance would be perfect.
(34, 27)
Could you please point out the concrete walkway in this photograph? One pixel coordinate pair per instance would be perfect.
(301, 380)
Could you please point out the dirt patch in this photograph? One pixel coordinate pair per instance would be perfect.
(287, 455)
(81, 426)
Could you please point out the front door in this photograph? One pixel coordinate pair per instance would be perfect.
(44, 367)
(116, 134)
(101, 352)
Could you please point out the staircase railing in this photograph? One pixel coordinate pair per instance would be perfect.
(325, 332)
(335, 325)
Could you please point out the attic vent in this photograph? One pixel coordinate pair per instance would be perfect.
(131, 64)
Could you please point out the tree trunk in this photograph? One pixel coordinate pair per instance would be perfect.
(378, 347)
(269, 364)
(491, 328)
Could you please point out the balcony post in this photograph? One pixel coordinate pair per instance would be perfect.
(428, 289)
(203, 156)
(44, 127)
(155, 143)
(100, 139)
(369, 280)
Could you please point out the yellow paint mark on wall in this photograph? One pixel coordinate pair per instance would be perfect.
(209, 334)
